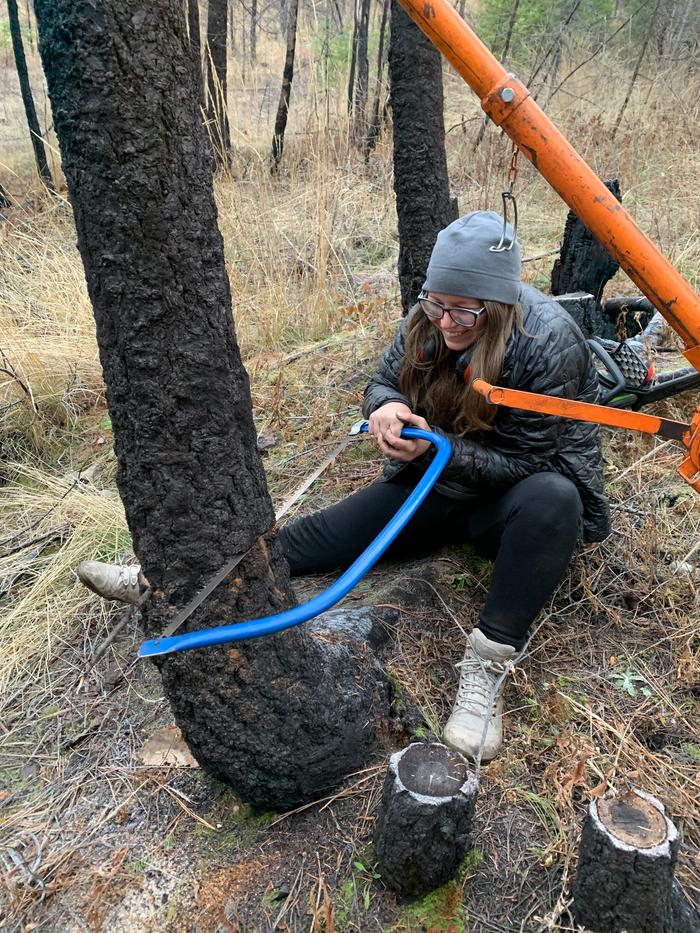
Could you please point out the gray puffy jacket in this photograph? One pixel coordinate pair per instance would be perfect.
(551, 358)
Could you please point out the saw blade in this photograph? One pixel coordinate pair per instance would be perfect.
(212, 583)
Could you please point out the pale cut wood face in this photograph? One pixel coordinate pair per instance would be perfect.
(633, 820)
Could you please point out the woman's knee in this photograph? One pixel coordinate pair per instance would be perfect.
(549, 499)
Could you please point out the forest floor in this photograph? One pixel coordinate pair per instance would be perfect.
(95, 834)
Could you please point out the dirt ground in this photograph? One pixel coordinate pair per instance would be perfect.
(97, 841)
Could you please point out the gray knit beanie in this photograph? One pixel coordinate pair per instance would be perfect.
(462, 264)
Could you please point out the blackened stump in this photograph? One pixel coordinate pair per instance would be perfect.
(583, 265)
(285, 718)
(624, 881)
(421, 833)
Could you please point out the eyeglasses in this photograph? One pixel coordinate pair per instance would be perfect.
(465, 317)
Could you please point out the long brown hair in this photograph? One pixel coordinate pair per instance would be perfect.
(433, 386)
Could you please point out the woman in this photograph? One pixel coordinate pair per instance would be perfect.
(522, 488)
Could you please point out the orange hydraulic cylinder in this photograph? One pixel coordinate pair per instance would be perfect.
(509, 104)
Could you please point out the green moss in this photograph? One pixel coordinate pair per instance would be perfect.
(443, 909)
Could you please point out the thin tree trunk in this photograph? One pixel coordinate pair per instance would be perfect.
(285, 93)
(637, 68)
(283, 718)
(360, 98)
(217, 106)
(195, 37)
(37, 139)
(253, 30)
(353, 54)
(502, 59)
(680, 34)
(423, 202)
(373, 128)
(30, 31)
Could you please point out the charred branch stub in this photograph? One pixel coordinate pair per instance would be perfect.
(421, 833)
(624, 882)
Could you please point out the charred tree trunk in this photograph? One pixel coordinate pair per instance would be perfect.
(217, 106)
(195, 37)
(360, 97)
(584, 265)
(423, 202)
(283, 718)
(624, 880)
(286, 91)
(353, 54)
(37, 139)
(374, 123)
(421, 833)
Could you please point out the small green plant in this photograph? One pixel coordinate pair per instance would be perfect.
(627, 681)
(365, 875)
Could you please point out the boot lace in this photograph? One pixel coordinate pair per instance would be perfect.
(128, 575)
(476, 692)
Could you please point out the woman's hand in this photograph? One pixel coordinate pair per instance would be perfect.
(386, 423)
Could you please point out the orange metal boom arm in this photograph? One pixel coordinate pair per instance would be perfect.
(687, 434)
(509, 104)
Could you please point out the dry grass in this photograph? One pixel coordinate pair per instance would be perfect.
(311, 256)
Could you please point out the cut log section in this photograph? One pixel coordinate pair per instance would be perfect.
(624, 882)
(421, 833)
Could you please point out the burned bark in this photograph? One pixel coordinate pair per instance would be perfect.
(217, 99)
(423, 202)
(37, 140)
(284, 718)
(624, 880)
(421, 833)
(359, 100)
(286, 90)
(195, 36)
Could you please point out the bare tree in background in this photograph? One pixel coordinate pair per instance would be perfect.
(286, 91)
(422, 186)
(253, 30)
(195, 36)
(375, 120)
(285, 718)
(37, 139)
(637, 67)
(217, 101)
(359, 97)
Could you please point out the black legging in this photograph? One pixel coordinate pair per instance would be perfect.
(530, 531)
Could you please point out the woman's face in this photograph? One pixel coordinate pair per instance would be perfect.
(455, 336)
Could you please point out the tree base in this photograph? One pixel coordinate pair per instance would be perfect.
(285, 719)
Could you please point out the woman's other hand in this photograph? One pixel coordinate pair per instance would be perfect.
(386, 423)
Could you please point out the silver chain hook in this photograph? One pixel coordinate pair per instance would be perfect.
(501, 247)
(507, 196)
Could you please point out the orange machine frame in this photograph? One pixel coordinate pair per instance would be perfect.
(509, 105)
